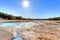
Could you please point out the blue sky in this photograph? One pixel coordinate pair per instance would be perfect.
(37, 8)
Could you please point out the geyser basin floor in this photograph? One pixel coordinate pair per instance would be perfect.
(18, 25)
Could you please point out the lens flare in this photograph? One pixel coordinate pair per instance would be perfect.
(25, 3)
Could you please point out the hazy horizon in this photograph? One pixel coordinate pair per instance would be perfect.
(31, 8)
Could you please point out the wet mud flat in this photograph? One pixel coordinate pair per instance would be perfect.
(5, 35)
(42, 31)
(33, 30)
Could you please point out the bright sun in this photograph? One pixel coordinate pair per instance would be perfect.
(25, 3)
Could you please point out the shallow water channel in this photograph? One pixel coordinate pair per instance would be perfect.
(12, 24)
(18, 25)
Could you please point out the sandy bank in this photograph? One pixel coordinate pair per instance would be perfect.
(5, 35)
(16, 20)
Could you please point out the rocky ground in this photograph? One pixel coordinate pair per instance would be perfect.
(42, 30)
(48, 30)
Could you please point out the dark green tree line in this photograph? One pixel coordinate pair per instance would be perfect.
(9, 17)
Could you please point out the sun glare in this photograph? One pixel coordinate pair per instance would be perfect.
(25, 3)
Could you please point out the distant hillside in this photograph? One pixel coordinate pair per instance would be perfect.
(12, 17)
(9, 17)
(55, 18)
